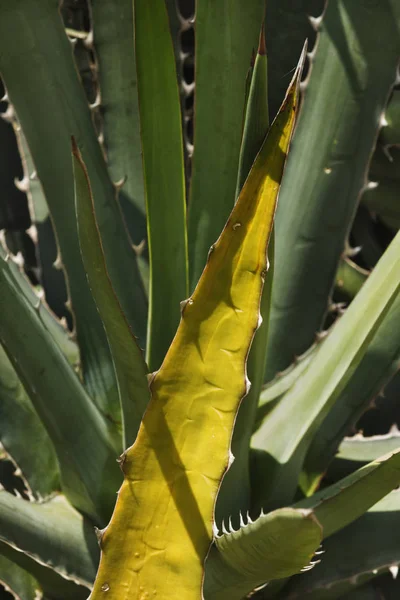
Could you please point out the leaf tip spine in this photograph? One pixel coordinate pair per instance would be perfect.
(121, 461)
(262, 49)
(215, 530)
(315, 22)
(99, 535)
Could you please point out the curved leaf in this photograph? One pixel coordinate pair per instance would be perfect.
(274, 546)
(39, 58)
(19, 582)
(53, 534)
(51, 278)
(256, 120)
(355, 452)
(226, 33)
(79, 432)
(21, 430)
(353, 66)
(275, 389)
(341, 503)
(113, 42)
(164, 177)
(234, 495)
(359, 552)
(54, 586)
(161, 529)
(130, 368)
(379, 364)
(315, 392)
(54, 327)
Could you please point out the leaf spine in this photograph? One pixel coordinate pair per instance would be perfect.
(315, 22)
(394, 569)
(249, 519)
(231, 529)
(22, 184)
(215, 530)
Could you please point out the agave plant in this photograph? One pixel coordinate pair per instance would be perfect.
(216, 342)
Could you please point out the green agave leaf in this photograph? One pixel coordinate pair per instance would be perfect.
(113, 42)
(162, 528)
(234, 495)
(161, 128)
(38, 57)
(379, 364)
(274, 546)
(54, 586)
(249, 77)
(275, 389)
(130, 368)
(360, 552)
(354, 452)
(315, 392)
(17, 414)
(226, 33)
(341, 503)
(256, 121)
(80, 434)
(353, 66)
(51, 275)
(21, 430)
(54, 327)
(51, 533)
(17, 581)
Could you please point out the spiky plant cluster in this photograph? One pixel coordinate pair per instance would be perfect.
(160, 307)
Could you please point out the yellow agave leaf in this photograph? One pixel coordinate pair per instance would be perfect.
(162, 527)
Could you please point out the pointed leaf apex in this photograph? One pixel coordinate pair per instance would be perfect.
(75, 149)
(302, 59)
(262, 49)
